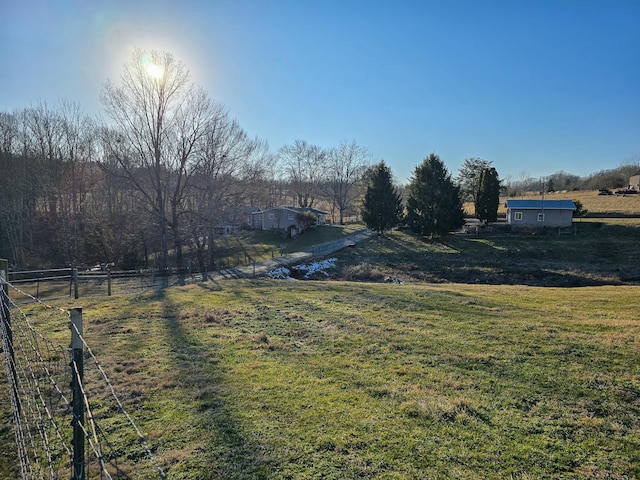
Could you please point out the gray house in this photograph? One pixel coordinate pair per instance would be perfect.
(540, 213)
(286, 219)
(234, 219)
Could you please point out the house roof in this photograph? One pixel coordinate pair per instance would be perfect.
(298, 209)
(541, 204)
(308, 209)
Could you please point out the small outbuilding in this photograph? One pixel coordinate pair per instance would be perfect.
(540, 213)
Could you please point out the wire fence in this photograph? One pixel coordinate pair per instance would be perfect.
(335, 245)
(72, 283)
(65, 413)
(77, 283)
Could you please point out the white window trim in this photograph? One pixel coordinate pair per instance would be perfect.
(271, 216)
(541, 217)
(517, 216)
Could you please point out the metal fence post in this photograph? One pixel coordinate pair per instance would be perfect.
(5, 313)
(77, 382)
(4, 277)
(108, 281)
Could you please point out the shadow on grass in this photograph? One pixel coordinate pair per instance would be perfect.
(226, 450)
(596, 256)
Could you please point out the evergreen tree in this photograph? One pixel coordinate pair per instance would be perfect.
(382, 206)
(469, 180)
(488, 196)
(434, 206)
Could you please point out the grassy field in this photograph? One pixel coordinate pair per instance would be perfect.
(478, 366)
(338, 380)
(596, 205)
(600, 253)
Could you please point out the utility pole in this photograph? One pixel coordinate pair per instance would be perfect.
(542, 202)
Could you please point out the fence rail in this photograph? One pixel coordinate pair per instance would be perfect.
(75, 282)
(62, 430)
(335, 245)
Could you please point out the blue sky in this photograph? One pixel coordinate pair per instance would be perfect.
(534, 86)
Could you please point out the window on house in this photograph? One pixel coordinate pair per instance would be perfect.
(271, 217)
(517, 215)
(541, 217)
(291, 216)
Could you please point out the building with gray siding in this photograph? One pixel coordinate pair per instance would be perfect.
(540, 213)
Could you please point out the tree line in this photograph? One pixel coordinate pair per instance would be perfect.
(433, 203)
(612, 178)
(166, 165)
(154, 177)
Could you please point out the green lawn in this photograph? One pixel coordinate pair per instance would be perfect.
(335, 380)
(250, 246)
(601, 253)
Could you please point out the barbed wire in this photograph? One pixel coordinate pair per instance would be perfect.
(14, 400)
(95, 444)
(121, 408)
(39, 402)
(29, 373)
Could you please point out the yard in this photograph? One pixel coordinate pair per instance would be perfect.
(337, 380)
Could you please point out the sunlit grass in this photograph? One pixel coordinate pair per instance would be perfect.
(276, 379)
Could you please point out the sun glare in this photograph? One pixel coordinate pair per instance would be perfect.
(153, 70)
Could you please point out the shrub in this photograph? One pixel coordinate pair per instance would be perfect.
(362, 272)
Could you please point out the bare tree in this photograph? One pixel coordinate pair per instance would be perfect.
(15, 214)
(258, 178)
(217, 187)
(346, 166)
(162, 120)
(45, 149)
(77, 152)
(45, 130)
(305, 166)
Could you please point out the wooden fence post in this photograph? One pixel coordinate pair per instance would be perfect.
(74, 274)
(77, 381)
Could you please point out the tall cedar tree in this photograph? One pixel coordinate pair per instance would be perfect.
(434, 206)
(382, 206)
(488, 196)
(469, 180)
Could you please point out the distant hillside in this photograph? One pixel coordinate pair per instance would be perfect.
(612, 178)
